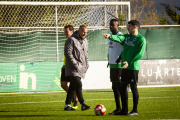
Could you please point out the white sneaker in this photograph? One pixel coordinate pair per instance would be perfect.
(133, 113)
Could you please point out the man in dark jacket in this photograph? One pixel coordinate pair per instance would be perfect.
(76, 53)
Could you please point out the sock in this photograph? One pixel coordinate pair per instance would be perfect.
(75, 103)
(73, 100)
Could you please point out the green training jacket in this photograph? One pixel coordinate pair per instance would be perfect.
(133, 50)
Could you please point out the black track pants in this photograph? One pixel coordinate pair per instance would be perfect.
(75, 86)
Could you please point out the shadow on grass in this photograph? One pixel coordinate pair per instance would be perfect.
(16, 116)
(5, 111)
(23, 111)
(97, 91)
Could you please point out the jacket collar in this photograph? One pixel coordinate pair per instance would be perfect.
(77, 36)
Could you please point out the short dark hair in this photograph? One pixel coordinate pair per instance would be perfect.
(134, 22)
(71, 28)
(112, 20)
(81, 26)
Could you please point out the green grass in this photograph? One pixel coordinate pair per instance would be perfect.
(154, 103)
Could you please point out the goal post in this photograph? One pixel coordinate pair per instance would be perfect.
(62, 3)
(25, 17)
(32, 41)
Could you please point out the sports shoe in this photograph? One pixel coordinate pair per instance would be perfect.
(122, 113)
(75, 107)
(68, 107)
(75, 103)
(85, 107)
(132, 113)
(115, 111)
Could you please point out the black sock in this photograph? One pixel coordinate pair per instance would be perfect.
(135, 97)
(115, 87)
(72, 100)
(75, 103)
(124, 97)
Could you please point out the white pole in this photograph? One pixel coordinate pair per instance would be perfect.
(90, 27)
(121, 8)
(129, 11)
(61, 3)
(116, 10)
(105, 17)
(56, 34)
(127, 17)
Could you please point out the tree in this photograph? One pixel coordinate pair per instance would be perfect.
(144, 12)
(162, 19)
(171, 12)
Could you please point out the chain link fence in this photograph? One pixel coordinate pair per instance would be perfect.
(35, 33)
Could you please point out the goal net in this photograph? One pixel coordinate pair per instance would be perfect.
(32, 39)
(33, 31)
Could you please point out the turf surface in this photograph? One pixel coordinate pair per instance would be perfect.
(154, 103)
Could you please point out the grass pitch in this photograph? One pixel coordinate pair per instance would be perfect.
(154, 103)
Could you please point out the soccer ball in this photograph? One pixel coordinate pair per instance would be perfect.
(100, 110)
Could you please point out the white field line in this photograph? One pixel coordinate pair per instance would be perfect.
(31, 94)
(86, 100)
(48, 94)
(88, 89)
(100, 92)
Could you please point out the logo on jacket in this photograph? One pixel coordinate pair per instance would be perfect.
(110, 42)
(130, 43)
(134, 39)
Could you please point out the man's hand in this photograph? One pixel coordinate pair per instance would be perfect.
(106, 35)
(118, 60)
(125, 65)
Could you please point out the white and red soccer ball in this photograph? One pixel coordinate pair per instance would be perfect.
(100, 110)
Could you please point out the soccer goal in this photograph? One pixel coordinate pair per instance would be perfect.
(33, 31)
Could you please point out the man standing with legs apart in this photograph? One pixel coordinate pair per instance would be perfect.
(68, 31)
(133, 50)
(115, 49)
(76, 53)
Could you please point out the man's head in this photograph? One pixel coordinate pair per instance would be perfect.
(68, 30)
(133, 26)
(114, 23)
(82, 31)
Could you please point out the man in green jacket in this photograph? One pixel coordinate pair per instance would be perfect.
(133, 50)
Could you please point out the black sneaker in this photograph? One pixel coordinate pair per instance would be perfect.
(122, 113)
(115, 111)
(68, 107)
(132, 113)
(85, 107)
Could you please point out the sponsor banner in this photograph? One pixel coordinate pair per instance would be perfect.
(45, 76)
(8, 77)
(16, 77)
(159, 72)
(152, 73)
